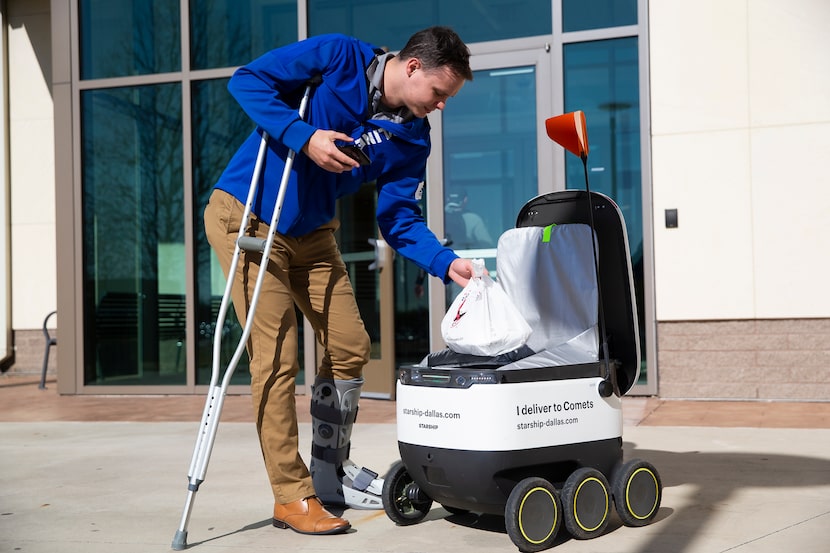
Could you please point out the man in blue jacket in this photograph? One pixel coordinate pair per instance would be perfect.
(378, 103)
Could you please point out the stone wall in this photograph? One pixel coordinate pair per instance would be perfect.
(758, 359)
(29, 346)
(741, 360)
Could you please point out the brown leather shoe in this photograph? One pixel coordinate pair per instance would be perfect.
(308, 516)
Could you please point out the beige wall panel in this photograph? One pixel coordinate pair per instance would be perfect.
(31, 161)
(791, 214)
(703, 268)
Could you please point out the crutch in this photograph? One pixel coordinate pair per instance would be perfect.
(216, 393)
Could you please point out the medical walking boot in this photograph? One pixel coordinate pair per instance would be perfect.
(337, 480)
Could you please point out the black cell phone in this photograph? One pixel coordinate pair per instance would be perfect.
(355, 153)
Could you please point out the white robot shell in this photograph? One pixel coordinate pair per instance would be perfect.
(507, 417)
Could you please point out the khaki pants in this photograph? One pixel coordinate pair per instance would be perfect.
(310, 272)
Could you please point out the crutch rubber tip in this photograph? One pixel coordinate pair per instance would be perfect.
(179, 541)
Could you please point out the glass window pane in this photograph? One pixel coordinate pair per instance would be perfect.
(602, 79)
(473, 20)
(219, 126)
(490, 167)
(581, 15)
(226, 33)
(133, 236)
(129, 37)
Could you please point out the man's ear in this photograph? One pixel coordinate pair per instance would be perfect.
(412, 65)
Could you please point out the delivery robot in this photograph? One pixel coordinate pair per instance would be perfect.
(535, 434)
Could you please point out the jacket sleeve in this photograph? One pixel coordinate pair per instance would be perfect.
(268, 89)
(403, 226)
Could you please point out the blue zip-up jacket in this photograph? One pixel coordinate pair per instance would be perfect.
(269, 89)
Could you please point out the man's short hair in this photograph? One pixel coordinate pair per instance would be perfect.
(439, 46)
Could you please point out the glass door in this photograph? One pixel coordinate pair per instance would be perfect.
(369, 261)
(490, 136)
(485, 165)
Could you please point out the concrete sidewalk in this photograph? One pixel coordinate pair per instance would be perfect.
(101, 487)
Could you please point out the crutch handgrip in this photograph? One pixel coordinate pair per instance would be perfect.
(251, 244)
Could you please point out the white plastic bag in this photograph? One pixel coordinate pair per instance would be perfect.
(482, 319)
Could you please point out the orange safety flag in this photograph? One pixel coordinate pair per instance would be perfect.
(569, 131)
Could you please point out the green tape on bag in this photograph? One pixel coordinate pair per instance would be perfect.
(546, 233)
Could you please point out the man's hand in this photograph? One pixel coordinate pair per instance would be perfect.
(461, 271)
(323, 151)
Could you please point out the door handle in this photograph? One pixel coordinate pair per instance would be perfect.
(381, 254)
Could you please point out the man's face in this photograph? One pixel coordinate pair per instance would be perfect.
(429, 89)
